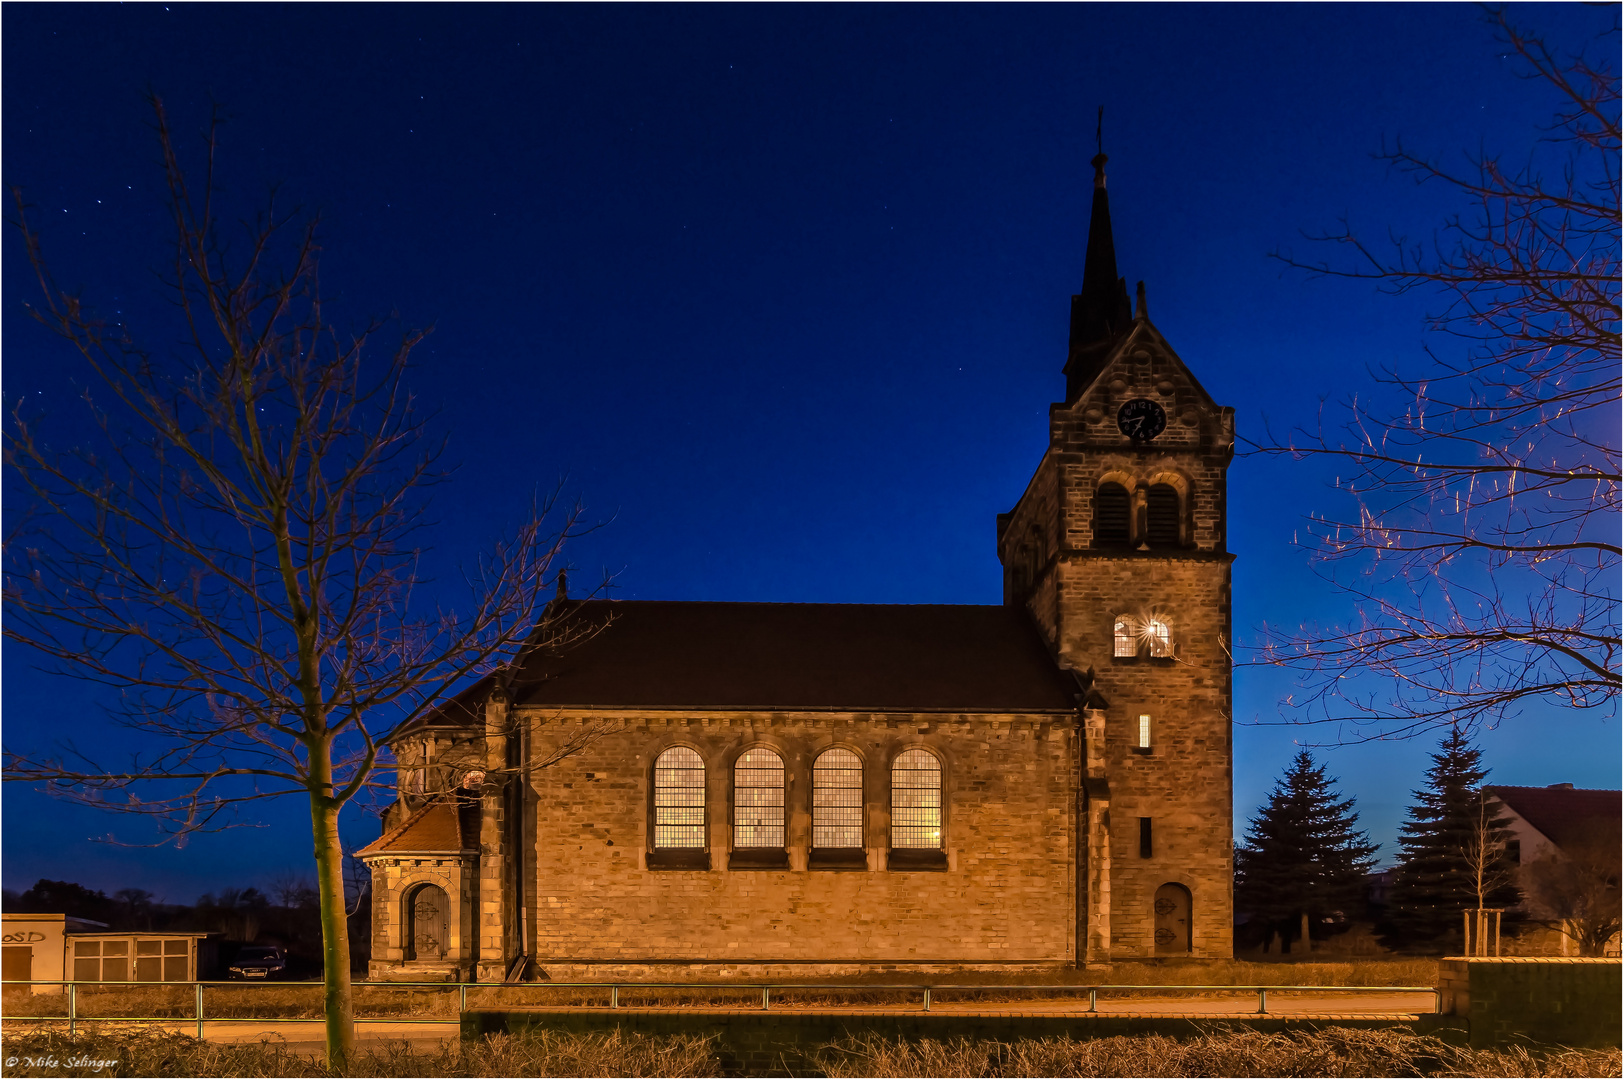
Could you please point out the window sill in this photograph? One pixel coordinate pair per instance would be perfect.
(678, 859)
(1144, 751)
(906, 861)
(837, 859)
(758, 859)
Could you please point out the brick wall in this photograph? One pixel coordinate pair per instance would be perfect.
(1006, 897)
(1554, 1000)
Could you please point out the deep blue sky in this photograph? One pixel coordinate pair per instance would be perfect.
(782, 290)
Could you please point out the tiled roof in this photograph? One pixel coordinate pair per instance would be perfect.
(857, 657)
(436, 827)
(1566, 815)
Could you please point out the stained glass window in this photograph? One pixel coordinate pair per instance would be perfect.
(837, 800)
(916, 800)
(679, 799)
(758, 800)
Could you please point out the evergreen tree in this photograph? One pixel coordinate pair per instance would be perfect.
(1451, 825)
(1304, 856)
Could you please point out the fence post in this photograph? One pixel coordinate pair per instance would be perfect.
(1093, 999)
(199, 987)
(764, 993)
(462, 999)
(614, 997)
(73, 1007)
(927, 999)
(1263, 1001)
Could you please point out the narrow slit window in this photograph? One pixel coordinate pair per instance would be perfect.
(1144, 838)
(1161, 637)
(916, 801)
(1144, 732)
(758, 800)
(1125, 645)
(679, 799)
(837, 800)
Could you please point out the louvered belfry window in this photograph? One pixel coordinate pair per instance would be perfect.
(758, 800)
(1162, 516)
(1111, 510)
(837, 800)
(916, 801)
(679, 799)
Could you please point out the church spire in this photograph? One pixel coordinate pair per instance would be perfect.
(1100, 311)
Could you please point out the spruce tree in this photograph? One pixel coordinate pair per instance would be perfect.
(1435, 881)
(1304, 856)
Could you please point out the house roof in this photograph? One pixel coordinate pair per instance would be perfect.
(652, 654)
(435, 827)
(1565, 814)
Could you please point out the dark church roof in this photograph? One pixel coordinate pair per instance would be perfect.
(1567, 815)
(653, 654)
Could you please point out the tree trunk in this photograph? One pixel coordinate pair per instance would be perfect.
(1304, 938)
(338, 1008)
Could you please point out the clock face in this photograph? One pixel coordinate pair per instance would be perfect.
(1141, 419)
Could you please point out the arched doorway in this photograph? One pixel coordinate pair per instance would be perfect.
(1172, 909)
(426, 921)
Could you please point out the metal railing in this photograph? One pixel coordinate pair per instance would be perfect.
(1027, 992)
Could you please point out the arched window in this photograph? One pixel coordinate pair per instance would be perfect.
(916, 804)
(1162, 516)
(1111, 512)
(837, 800)
(1123, 640)
(758, 800)
(1160, 635)
(679, 799)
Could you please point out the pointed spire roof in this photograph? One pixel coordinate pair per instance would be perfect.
(1100, 312)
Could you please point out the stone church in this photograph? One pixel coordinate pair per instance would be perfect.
(774, 790)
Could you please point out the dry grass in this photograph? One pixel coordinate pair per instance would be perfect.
(1330, 1052)
(151, 1053)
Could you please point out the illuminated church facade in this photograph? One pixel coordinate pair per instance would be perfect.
(773, 790)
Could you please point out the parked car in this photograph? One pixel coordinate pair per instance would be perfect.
(258, 962)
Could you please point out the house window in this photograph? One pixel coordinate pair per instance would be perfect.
(837, 800)
(161, 960)
(916, 801)
(1161, 637)
(1144, 838)
(1111, 513)
(101, 961)
(1144, 732)
(679, 799)
(758, 800)
(1162, 516)
(1124, 643)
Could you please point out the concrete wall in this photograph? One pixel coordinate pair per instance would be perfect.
(1556, 1000)
(1006, 896)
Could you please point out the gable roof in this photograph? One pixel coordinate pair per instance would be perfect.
(1566, 815)
(436, 827)
(655, 654)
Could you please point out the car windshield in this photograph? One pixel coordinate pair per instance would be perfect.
(257, 954)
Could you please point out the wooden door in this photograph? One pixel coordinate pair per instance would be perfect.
(1172, 921)
(427, 917)
(17, 963)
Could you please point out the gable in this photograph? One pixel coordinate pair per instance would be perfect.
(1143, 365)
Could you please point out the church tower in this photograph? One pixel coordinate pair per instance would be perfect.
(1117, 550)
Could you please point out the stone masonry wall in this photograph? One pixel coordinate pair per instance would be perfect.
(1006, 898)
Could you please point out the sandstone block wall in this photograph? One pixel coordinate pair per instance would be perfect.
(1007, 896)
(393, 881)
(1554, 1000)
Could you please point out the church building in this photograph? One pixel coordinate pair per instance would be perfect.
(777, 790)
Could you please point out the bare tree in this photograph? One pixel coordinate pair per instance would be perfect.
(239, 553)
(1481, 537)
(1488, 870)
(1575, 891)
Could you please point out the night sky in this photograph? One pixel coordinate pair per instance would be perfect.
(781, 291)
